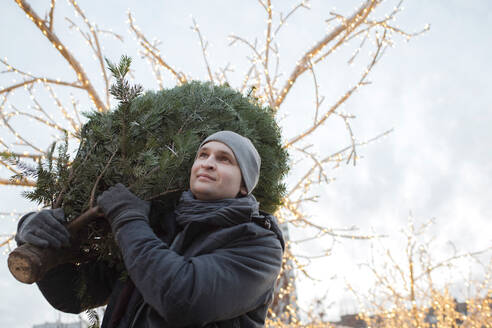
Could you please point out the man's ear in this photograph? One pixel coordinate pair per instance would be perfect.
(242, 190)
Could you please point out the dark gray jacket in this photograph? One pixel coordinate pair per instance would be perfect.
(200, 275)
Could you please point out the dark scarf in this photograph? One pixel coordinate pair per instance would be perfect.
(223, 213)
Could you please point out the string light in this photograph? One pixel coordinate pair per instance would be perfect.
(292, 211)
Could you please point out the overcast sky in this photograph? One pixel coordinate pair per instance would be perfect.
(434, 91)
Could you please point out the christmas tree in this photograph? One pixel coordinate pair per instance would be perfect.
(148, 143)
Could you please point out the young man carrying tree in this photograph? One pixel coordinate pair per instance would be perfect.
(214, 265)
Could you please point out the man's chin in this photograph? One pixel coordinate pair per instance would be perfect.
(203, 194)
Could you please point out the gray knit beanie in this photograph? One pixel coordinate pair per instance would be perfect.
(246, 155)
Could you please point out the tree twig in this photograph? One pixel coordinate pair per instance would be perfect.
(93, 192)
(60, 47)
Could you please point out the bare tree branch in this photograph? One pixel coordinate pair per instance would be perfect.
(152, 51)
(53, 38)
(8, 240)
(342, 99)
(50, 21)
(204, 46)
(23, 183)
(303, 64)
(283, 20)
(93, 41)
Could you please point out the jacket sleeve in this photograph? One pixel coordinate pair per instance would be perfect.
(64, 285)
(211, 287)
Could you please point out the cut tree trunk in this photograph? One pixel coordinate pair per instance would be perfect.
(29, 263)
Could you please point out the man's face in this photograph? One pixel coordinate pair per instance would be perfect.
(215, 174)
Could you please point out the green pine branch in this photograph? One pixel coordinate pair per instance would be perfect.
(122, 90)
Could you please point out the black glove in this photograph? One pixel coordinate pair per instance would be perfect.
(44, 229)
(120, 206)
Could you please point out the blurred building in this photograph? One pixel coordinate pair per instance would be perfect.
(59, 324)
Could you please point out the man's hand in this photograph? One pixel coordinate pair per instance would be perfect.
(120, 206)
(44, 229)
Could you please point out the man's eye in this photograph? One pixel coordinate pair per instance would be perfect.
(202, 155)
(226, 159)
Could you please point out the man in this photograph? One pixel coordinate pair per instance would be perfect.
(215, 265)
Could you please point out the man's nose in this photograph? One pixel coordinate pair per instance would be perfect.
(209, 162)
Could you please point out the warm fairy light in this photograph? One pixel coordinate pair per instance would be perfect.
(262, 82)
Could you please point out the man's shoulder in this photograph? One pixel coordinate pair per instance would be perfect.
(270, 222)
(253, 233)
